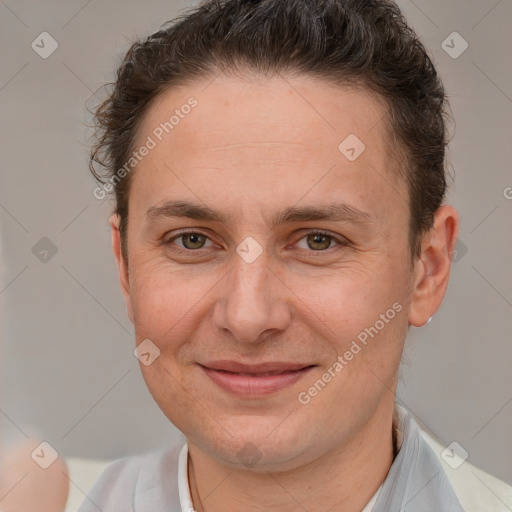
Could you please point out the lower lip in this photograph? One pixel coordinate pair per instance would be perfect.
(246, 386)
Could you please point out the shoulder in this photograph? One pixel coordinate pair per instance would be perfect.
(441, 474)
(149, 479)
(476, 490)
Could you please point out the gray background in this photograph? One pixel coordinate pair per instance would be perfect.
(68, 374)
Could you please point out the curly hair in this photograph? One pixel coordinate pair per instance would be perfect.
(366, 43)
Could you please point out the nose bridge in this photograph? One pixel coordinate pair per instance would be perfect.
(250, 277)
(251, 301)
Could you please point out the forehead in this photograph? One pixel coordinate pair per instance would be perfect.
(257, 136)
(255, 109)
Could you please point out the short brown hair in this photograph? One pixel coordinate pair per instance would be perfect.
(367, 43)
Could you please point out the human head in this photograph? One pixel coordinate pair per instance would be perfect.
(366, 44)
(261, 132)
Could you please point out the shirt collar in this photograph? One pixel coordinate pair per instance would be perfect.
(415, 478)
(184, 486)
(183, 483)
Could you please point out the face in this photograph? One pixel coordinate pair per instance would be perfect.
(269, 266)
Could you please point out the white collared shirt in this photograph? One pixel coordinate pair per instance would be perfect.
(416, 480)
(184, 485)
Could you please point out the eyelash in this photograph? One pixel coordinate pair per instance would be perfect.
(341, 242)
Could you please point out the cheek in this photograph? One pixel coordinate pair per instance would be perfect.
(162, 298)
(360, 315)
(165, 306)
(347, 299)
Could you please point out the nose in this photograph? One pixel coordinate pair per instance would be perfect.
(253, 302)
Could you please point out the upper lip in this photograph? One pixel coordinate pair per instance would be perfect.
(267, 367)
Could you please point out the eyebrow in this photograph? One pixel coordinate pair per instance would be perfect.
(335, 212)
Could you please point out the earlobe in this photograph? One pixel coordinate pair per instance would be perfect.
(432, 268)
(122, 266)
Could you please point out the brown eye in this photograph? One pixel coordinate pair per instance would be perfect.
(193, 240)
(318, 241)
(189, 240)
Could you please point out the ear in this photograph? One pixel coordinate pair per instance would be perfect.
(122, 265)
(432, 268)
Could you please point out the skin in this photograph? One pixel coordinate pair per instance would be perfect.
(252, 147)
(24, 485)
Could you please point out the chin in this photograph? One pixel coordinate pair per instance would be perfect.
(257, 444)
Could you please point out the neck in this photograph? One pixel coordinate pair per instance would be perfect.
(346, 478)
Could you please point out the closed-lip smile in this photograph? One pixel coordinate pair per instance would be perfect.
(254, 380)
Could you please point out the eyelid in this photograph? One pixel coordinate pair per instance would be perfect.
(340, 240)
(185, 231)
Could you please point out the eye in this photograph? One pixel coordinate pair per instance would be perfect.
(190, 240)
(320, 241)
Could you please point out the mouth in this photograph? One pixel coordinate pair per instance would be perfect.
(254, 380)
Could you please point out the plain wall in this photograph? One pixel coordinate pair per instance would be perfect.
(68, 372)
